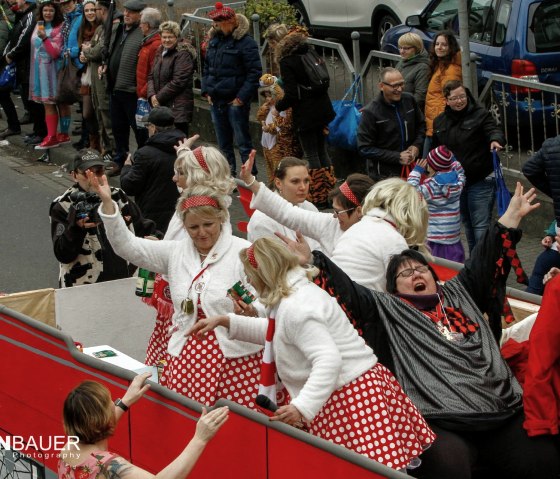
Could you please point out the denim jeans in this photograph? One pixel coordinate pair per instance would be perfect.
(477, 203)
(314, 145)
(122, 105)
(232, 123)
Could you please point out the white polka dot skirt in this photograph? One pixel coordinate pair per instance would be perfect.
(373, 416)
(202, 373)
(161, 301)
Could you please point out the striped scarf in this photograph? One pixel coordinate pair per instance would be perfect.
(266, 397)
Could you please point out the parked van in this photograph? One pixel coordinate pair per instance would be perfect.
(517, 38)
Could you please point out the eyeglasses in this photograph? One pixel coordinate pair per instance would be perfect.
(457, 98)
(394, 86)
(336, 213)
(178, 172)
(406, 48)
(408, 272)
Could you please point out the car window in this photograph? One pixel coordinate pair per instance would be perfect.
(502, 21)
(544, 27)
(481, 20)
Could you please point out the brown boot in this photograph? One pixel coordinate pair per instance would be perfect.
(94, 142)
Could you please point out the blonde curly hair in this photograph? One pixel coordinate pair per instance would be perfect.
(407, 207)
(208, 212)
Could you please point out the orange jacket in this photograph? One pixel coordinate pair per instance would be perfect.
(435, 101)
(146, 57)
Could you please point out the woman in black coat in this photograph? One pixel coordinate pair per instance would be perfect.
(469, 131)
(312, 112)
(170, 81)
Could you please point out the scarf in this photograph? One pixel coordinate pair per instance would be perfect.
(266, 396)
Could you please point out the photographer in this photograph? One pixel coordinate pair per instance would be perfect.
(78, 235)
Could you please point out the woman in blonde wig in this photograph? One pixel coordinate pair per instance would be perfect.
(332, 376)
(395, 218)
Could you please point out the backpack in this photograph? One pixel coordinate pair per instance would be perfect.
(316, 71)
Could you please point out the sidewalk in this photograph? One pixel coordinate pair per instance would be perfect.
(55, 173)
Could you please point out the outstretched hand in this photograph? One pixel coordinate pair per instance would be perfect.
(299, 247)
(210, 422)
(245, 173)
(137, 389)
(203, 326)
(521, 205)
(186, 143)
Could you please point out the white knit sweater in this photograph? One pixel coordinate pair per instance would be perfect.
(316, 349)
(364, 250)
(180, 262)
(322, 227)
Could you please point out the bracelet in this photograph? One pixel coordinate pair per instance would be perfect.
(121, 404)
(251, 184)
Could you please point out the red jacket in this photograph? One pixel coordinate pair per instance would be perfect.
(146, 57)
(541, 394)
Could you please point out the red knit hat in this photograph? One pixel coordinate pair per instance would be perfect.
(440, 158)
(221, 12)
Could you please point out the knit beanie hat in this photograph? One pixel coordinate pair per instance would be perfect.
(221, 13)
(440, 158)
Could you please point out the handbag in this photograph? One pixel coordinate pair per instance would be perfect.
(503, 196)
(68, 83)
(8, 77)
(143, 108)
(343, 130)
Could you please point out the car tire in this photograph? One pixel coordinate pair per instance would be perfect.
(301, 14)
(381, 23)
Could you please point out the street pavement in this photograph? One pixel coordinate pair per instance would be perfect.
(27, 188)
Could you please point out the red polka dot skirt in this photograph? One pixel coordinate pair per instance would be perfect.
(161, 301)
(203, 374)
(373, 416)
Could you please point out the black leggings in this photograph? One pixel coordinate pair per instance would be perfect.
(506, 452)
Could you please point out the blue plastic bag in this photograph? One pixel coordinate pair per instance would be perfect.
(343, 130)
(503, 196)
(142, 110)
(8, 77)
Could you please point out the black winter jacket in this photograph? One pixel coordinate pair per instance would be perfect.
(311, 109)
(19, 45)
(149, 179)
(232, 66)
(543, 171)
(468, 134)
(387, 129)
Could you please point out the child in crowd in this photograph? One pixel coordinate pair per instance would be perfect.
(442, 190)
(548, 259)
(278, 139)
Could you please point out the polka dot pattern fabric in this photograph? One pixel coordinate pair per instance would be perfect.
(373, 416)
(161, 301)
(203, 374)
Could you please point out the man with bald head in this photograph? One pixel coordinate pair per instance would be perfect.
(392, 128)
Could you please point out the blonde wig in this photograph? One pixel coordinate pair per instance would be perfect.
(411, 40)
(269, 278)
(209, 212)
(407, 207)
(218, 175)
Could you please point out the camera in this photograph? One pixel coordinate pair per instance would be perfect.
(86, 205)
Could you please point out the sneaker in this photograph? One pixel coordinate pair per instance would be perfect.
(48, 142)
(108, 157)
(63, 139)
(33, 140)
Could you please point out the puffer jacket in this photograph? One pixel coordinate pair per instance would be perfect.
(416, 74)
(232, 65)
(435, 101)
(149, 178)
(170, 80)
(123, 58)
(311, 109)
(73, 20)
(543, 171)
(146, 58)
(468, 134)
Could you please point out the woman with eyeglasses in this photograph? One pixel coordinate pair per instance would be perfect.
(445, 65)
(291, 182)
(444, 352)
(325, 228)
(471, 133)
(414, 66)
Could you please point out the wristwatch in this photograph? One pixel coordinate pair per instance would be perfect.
(120, 404)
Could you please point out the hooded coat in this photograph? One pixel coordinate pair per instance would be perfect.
(416, 74)
(171, 80)
(311, 108)
(232, 65)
